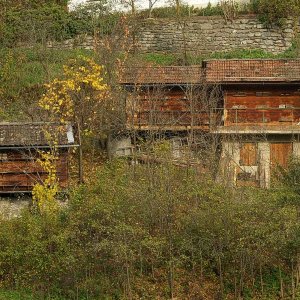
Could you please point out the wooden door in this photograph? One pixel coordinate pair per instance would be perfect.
(280, 153)
(248, 154)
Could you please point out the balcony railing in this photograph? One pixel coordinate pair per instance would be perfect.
(261, 116)
(217, 117)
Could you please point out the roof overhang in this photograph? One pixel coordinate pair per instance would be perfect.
(249, 82)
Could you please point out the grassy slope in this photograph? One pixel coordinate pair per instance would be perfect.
(22, 74)
(172, 59)
(29, 67)
(34, 66)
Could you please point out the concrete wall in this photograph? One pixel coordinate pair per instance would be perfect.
(11, 207)
(231, 163)
(200, 35)
(264, 167)
(119, 146)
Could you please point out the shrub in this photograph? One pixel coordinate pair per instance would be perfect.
(152, 231)
(276, 11)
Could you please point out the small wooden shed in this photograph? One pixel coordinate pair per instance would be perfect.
(165, 98)
(20, 148)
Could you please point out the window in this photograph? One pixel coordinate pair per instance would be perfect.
(248, 154)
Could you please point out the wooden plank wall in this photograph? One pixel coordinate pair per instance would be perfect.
(280, 154)
(262, 105)
(19, 170)
(248, 154)
(168, 107)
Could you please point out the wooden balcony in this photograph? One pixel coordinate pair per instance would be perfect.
(285, 120)
(243, 120)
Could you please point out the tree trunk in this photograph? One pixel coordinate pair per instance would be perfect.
(80, 156)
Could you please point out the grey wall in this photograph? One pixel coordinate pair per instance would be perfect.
(208, 34)
(200, 35)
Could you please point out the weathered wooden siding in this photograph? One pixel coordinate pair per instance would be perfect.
(248, 154)
(280, 154)
(20, 171)
(262, 105)
(172, 109)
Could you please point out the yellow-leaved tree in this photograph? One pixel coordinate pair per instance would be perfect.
(43, 194)
(76, 98)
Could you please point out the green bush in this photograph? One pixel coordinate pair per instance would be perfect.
(34, 25)
(210, 10)
(276, 11)
(168, 12)
(149, 232)
(40, 24)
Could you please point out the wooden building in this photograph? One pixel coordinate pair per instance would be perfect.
(253, 106)
(261, 116)
(167, 99)
(20, 147)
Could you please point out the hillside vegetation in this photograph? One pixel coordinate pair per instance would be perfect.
(135, 231)
(146, 232)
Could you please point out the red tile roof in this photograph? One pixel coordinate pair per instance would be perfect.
(217, 71)
(254, 70)
(162, 75)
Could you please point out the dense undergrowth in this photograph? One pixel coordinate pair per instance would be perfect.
(155, 232)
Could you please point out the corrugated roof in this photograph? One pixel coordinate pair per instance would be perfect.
(252, 70)
(34, 134)
(162, 75)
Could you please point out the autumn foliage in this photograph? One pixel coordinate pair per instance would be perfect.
(78, 96)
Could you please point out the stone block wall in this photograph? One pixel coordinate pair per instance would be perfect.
(200, 35)
(81, 42)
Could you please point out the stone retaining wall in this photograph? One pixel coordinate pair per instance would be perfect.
(201, 35)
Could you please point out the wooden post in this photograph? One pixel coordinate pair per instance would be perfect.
(80, 156)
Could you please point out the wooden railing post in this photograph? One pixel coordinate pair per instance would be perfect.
(236, 116)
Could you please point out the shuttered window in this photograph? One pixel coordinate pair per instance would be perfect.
(248, 154)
